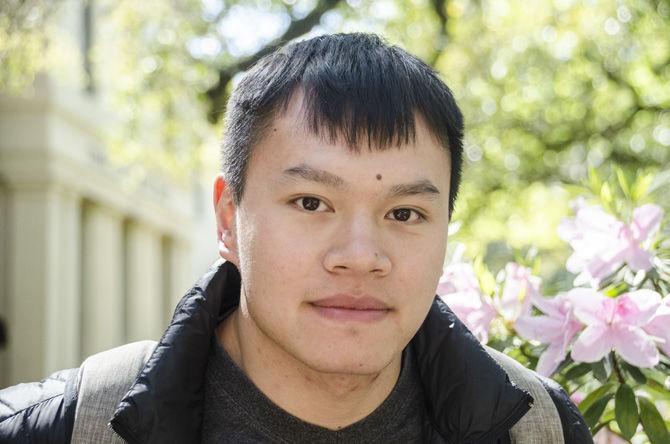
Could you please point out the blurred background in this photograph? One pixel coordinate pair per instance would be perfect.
(111, 112)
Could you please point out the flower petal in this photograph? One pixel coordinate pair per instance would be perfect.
(552, 306)
(588, 305)
(473, 311)
(646, 220)
(540, 328)
(638, 259)
(457, 277)
(635, 346)
(519, 288)
(592, 344)
(659, 326)
(550, 359)
(607, 261)
(647, 303)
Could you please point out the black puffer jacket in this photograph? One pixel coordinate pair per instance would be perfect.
(470, 397)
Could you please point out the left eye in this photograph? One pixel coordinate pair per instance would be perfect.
(309, 203)
(405, 215)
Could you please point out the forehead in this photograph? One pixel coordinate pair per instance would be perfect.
(289, 137)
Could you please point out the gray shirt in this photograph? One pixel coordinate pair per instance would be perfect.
(236, 411)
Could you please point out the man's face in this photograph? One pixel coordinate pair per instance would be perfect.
(340, 253)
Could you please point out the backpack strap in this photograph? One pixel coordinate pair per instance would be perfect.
(542, 424)
(103, 380)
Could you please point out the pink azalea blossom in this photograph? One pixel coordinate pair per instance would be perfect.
(519, 289)
(659, 326)
(615, 323)
(556, 327)
(460, 290)
(601, 243)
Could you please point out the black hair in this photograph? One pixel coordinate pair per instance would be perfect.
(355, 86)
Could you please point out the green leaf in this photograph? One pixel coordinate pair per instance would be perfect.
(658, 389)
(602, 369)
(641, 186)
(625, 410)
(593, 413)
(653, 422)
(578, 371)
(623, 182)
(634, 372)
(594, 180)
(615, 290)
(606, 195)
(594, 396)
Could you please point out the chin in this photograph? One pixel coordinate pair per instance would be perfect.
(349, 363)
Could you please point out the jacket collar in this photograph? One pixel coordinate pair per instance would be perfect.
(469, 396)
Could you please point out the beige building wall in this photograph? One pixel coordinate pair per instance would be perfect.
(102, 306)
(89, 257)
(88, 262)
(145, 308)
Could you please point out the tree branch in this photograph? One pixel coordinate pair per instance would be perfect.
(440, 8)
(297, 28)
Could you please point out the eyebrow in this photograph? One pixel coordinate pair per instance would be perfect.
(312, 174)
(422, 187)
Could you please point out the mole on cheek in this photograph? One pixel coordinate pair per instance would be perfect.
(379, 177)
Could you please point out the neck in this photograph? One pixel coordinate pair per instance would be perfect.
(331, 400)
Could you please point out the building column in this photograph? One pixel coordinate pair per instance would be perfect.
(42, 282)
(177, 273)
(63, 322)
(145, 306)
(102, 280)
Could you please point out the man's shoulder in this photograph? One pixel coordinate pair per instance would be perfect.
(104, 379)
(552, 410)
(575, 429)
(69, 401)
(35, 410)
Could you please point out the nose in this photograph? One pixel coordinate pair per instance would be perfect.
(358, 250)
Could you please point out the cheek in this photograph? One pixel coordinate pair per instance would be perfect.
(421, 259)
(272, 261)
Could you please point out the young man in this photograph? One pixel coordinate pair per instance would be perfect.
(342, 160)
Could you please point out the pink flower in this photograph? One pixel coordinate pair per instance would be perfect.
(577, 397)
(615, 323)
(601, 243)
(459, 289)
(519, 289)
(556, 328)
(659, 326)
(458, 278)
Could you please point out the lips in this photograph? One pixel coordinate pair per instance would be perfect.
(345, 307)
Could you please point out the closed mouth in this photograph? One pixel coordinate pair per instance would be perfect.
(349, 302)
(344, 307)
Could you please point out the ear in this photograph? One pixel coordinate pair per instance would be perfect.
(226, 229)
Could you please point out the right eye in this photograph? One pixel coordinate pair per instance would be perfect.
(309, 203)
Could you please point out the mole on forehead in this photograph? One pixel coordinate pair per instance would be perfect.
(379, 177)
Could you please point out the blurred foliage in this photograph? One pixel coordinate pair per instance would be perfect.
(22, 41)
(154, 83)
(549, 88)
